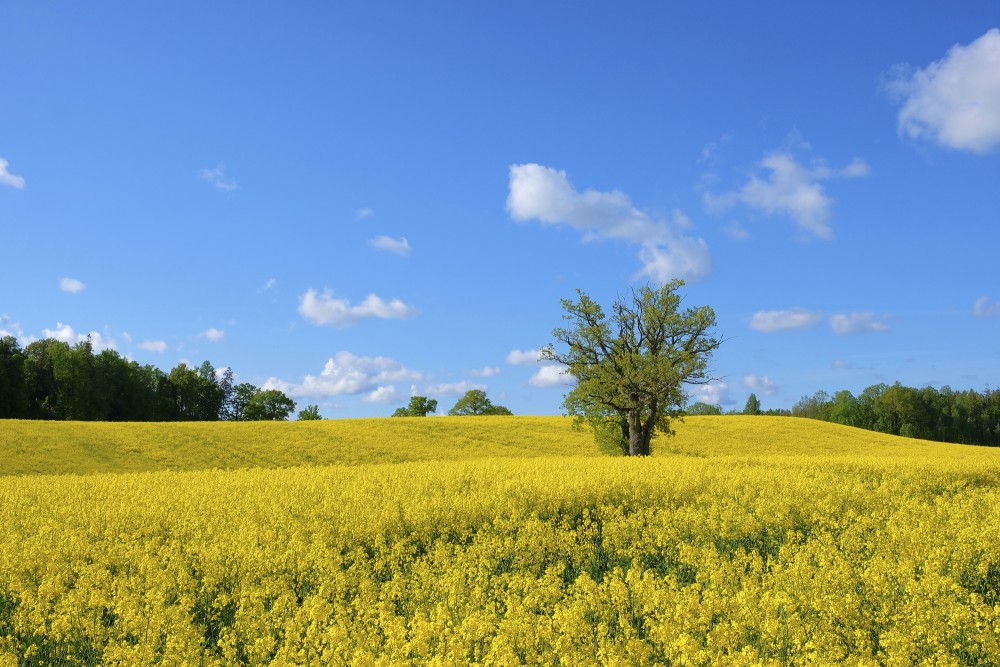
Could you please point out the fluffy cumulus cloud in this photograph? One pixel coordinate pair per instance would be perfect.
(983, 307)
(348, 374)
(760, 384)
(9, 179)
(523, 357)
(66, 334)
(218, 179)
(782, 185)
(324, 309)
(485, 372)
(954, 101)
(545, 194)
(551, 375)
(382, 395)
(713, 393)
(770, 321)
(857, 323)
(398, 246)
(71, 285)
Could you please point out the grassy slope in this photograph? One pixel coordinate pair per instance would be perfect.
(31, 447)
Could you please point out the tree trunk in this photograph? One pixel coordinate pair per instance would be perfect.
(638, 435)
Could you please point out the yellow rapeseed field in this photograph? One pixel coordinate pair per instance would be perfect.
(742, 541)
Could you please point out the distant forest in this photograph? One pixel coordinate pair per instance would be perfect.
(965, 417)
(50, 379)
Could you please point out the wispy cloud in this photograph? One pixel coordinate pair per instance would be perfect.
(71, 285)
(153, 345)
(324, 309)
(363, 213)
(782, 185)
(9, 179)
(349, 374)
(523, 357)
(770, 321)
(217, 178)
(857, 323)
(546, 195)
(954, 101)
(398, 246)
(453, 388)
(486, 372)
(212, 334)
(983, 307)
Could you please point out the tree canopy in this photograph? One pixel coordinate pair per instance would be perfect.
(51, 379)
(419, 406)
(631, 367)
(475, 402)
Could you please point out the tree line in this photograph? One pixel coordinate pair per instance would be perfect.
(966, 417)
(50, 379)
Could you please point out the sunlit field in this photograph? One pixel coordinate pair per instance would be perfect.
(742, 541)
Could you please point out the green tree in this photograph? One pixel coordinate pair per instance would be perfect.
(419, 406)
(13, 392)
(475, 402)
(631, 368)
(700, 408)
(753, 405)
(269, 405)
(309, 413)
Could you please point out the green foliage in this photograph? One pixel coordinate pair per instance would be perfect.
(269, 405)
(631, 367)
(699, 408)
(419, 406)
(753, 405)
(964, 417)
(475, 402)
(309, 413)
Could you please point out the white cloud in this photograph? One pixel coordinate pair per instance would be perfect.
(453, 389)
(153, 345)
(544, 194)
(523, 357)
(212, 334)
(324, 309)
(551, 375)
(736, 231)
(857, 323)
(7, 178)
(398, 246)
(791, 189)
(382, 395)
(760, 383)
(486, 372)
(71, 285)
(769, 321)
(66, 334)
(363, 213)
(713, 393)
(954, 101)
(348, 374)
(984, 308)
(269, 285)
(217, 178)
(8, 327)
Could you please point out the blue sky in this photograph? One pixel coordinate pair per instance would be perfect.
(359, 201)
